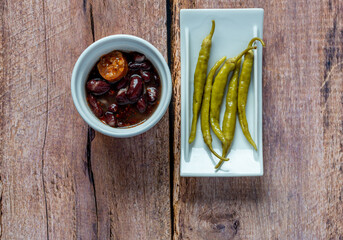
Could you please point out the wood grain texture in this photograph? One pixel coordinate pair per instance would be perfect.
(332, 110)
(21, 174)
(132, 176)
(300, 194)
(45, 188)
(56, 182)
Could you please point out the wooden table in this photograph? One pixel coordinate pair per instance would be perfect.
(60, 180)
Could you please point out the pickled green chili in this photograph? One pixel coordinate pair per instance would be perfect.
(205, 109)
(229, 121)
(243, 87)
(217, 94)
(199, 79)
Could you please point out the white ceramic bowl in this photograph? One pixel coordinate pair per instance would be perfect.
(88, 59)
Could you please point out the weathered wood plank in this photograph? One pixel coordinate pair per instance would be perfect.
(21, 159)
(301, 189)
(55, 184)
(131, 176)
(332, 109)
(71, 198)
(45, 190)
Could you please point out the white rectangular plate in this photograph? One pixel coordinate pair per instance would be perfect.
(234, 29)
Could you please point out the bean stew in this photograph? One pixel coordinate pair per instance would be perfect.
(123, 89)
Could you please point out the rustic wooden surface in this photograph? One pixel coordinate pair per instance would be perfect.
(300, 194)
(60, 180)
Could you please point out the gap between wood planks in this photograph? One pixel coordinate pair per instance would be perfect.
(171, 120)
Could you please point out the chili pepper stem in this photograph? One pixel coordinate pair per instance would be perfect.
(256, 39)
(212, 28)
(239, 56)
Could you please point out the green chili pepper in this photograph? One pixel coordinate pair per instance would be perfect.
(229, 121)
(205, 109)
(218, 90)
(243, 87)
(199, 79)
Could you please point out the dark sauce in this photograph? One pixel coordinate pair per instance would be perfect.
(131, 112)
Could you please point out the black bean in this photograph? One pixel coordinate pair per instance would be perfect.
(146, 65)
(138, 57)
(151, 94)
(110, 119)
(97, 86)
(141, 104)
(147, 76)
(135, 88)
(113, 108)
(95, 106)
(121, 97)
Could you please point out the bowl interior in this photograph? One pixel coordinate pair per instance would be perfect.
(89, 58)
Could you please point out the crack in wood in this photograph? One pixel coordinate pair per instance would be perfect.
(235, 226)
(92, 21)
(84, 6)
(44, 191)
(46, 122)
(91, 133)
(90, 137)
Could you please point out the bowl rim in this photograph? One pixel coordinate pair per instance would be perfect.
(92, 120)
